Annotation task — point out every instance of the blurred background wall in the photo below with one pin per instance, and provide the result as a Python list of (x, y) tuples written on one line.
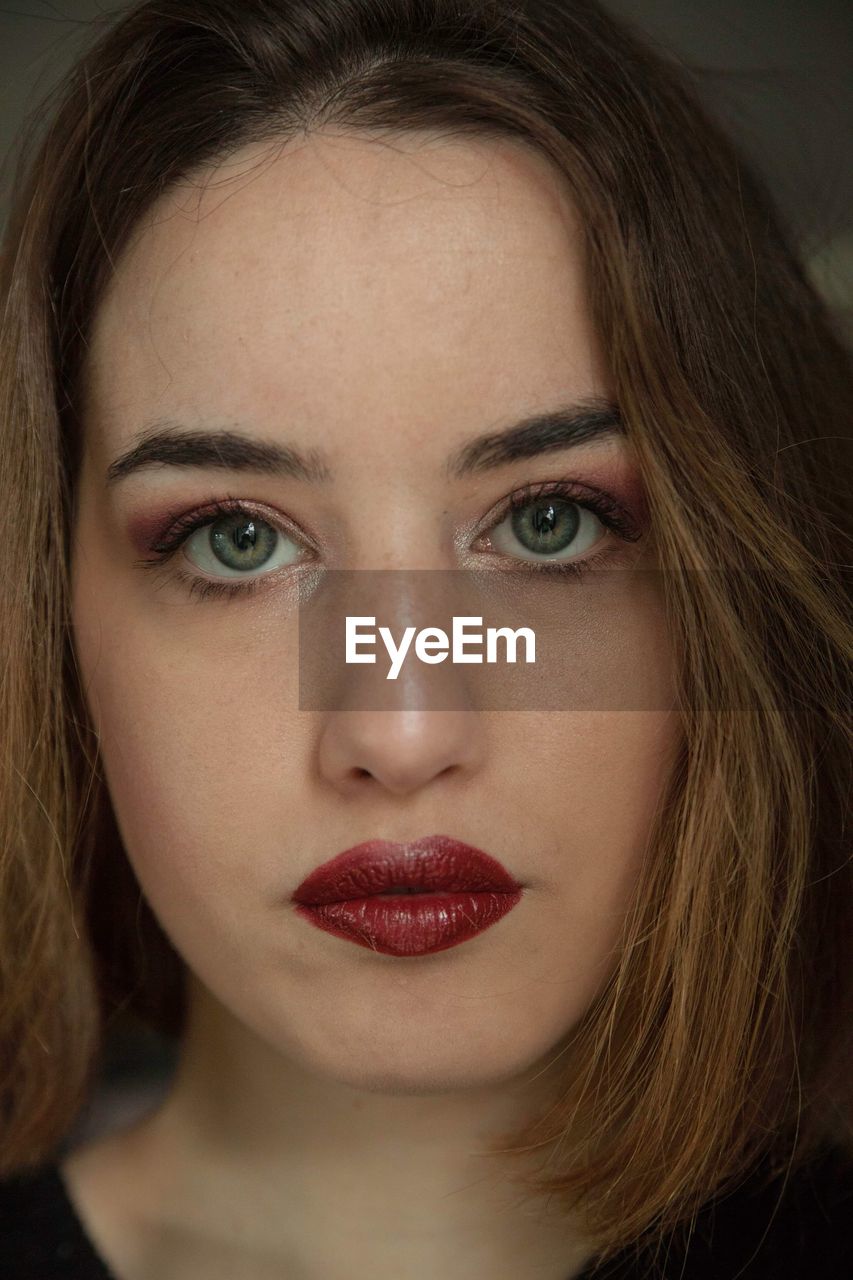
[(778, 73)]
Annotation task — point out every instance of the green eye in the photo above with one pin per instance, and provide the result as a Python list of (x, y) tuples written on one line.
[(546, 525), (242, 543)]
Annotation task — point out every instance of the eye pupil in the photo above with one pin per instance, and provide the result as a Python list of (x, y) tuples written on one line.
[(544, 519), (245, 536), (546, 524), (240, 543)]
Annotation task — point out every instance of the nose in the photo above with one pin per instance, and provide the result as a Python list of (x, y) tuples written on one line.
[(400, 750)]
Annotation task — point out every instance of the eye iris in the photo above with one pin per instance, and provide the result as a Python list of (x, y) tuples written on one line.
[(547, 524), (241, 536)]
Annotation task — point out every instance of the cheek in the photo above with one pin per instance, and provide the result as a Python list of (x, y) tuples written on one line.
[(595, 810), (197, 744)]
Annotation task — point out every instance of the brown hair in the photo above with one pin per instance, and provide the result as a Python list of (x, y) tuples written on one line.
[(724, 1033)]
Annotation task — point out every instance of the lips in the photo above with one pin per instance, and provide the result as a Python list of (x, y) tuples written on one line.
[(408, 899)]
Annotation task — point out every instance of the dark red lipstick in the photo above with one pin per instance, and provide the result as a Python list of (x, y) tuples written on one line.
[(408, 899)]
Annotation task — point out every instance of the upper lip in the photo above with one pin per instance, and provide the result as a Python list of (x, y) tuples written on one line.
[(433, 862)]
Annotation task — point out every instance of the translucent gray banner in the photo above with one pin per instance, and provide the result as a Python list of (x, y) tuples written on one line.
[(485, 639)]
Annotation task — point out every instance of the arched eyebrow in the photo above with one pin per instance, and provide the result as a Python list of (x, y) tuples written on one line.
[(560, 428), (169, 443)]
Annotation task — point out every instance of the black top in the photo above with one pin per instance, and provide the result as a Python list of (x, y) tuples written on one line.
[(737, 1237)]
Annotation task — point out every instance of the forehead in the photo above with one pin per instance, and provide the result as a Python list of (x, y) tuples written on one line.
[(342, 276)]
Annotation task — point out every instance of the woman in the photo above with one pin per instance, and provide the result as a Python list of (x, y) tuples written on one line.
[(306, 287)]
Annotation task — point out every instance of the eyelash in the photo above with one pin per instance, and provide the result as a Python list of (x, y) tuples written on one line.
[(608, 511)]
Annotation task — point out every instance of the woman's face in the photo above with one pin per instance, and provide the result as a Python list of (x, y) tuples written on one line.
[(375, 307)]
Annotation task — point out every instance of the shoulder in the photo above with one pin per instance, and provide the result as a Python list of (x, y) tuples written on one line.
[(786, 1227), (41, 1237), (794, 1227)]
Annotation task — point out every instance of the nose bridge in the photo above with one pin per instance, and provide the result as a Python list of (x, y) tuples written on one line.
[(364, 640), (402, 731)]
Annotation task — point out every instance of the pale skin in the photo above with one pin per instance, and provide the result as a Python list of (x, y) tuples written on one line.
[(384, 302)]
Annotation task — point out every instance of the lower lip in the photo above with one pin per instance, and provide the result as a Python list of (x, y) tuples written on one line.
[(411, 924)]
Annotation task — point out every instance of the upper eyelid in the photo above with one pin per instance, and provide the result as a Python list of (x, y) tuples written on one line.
[(531, 491), (185, 526)]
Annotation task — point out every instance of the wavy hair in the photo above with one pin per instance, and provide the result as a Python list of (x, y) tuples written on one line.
[(724, 1033)]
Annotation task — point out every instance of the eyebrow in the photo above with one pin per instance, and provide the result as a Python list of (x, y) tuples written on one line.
[(169, 443), (559, 428)]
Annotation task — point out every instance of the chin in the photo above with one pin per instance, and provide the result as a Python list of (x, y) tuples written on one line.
[(419, 1069)]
